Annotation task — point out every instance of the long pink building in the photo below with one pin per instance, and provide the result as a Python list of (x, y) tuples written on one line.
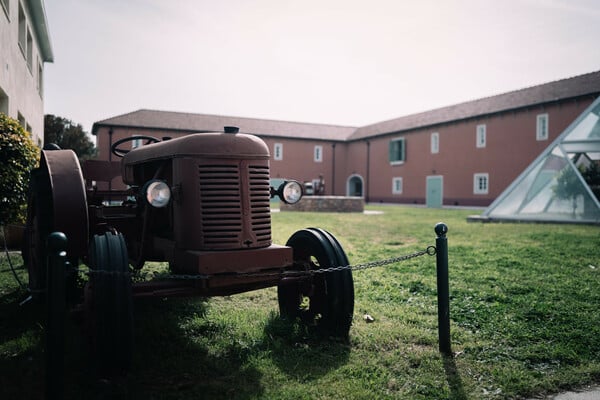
[(465, 154)]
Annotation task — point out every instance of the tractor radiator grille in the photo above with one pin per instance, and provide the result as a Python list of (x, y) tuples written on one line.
[(235, 210)]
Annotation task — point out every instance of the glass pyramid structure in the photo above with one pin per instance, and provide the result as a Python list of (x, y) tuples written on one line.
[(563, 183)]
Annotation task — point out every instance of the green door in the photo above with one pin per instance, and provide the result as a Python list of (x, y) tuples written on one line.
[(435, 191)]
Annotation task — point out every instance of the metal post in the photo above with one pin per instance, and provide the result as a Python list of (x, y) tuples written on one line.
[(55, 321), (441, 245)]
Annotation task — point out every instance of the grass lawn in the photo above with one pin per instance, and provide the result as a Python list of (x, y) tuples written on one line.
[(524, 321)]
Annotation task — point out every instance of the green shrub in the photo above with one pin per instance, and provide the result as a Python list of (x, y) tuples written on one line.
[(18, 156)]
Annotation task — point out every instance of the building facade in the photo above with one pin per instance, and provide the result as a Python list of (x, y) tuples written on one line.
[(465, 154), (24, 49)]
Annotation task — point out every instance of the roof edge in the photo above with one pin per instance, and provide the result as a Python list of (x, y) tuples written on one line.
[(38, 15)]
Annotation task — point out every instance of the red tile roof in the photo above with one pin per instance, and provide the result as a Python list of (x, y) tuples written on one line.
[(582, 85), (187, 122)]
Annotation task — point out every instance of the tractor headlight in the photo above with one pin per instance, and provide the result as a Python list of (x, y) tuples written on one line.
[(290, 192), (157, 193)]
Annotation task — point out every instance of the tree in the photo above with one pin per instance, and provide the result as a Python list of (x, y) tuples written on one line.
[(591, 174), (68, 135), (18, 156)]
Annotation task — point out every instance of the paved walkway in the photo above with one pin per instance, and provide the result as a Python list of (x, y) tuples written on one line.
[(592, 393)]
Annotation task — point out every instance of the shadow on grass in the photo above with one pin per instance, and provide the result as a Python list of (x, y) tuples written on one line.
[(168, 362), (21, 347), (178, 354), (171, 362), (455, 384), (303, 352)]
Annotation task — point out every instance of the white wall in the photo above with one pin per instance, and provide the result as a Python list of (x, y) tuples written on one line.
[(17, 80)]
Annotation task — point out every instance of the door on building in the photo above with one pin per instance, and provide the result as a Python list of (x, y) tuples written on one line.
[(435, 191), (354, 186)]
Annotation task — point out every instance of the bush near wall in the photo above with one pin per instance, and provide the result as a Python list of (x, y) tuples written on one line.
[(18, 156)]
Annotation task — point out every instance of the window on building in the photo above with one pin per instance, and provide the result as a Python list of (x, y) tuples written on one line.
[(40, 79), (21, 120), (6, 6), (397, 185), (397, 151), (481, 183), (435, 143), (481, 135), (29, 51), (278, 151), (3, 102), (22, 31), (318, 153), (541, 131)]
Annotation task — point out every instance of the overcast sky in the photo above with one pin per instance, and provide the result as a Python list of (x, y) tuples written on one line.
[(340, 62)]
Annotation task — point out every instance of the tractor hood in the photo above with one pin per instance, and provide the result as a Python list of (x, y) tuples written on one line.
[(200, 145)]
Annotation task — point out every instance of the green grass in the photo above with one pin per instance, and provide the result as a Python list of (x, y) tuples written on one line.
[(524, 321)]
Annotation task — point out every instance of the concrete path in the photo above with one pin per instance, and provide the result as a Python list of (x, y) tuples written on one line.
[(592, 393)]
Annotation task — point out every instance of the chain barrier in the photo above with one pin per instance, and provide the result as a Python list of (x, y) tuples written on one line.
[(139, 276)]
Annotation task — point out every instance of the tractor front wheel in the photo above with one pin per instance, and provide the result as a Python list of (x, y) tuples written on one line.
[(325, 299), (109, 304)]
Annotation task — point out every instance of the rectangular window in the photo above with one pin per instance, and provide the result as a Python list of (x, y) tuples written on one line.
[(278, 151), (40, 79), (541, 130), (21, 119), (397, 151), (5, 6), (397, 185), (480, 136), (22, 31), (481, 183), (435, 143), (3, 102), (29, 51), (318, 153)]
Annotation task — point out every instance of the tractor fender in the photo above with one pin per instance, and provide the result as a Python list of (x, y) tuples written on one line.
[(69, 202)]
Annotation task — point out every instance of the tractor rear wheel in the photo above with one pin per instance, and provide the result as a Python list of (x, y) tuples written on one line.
[(325, 300), (109, 304), (39, 225)]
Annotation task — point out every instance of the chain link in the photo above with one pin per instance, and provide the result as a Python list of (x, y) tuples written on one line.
[(138, 276)]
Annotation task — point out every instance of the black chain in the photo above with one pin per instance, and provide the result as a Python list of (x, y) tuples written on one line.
[(431, 250)]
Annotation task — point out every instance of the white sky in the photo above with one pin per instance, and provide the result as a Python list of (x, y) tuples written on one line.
[(341, 62)]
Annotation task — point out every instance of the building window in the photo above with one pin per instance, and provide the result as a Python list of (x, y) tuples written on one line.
[(435, 143), (397, 185), (318, 153), (29, 51), (278, 151), (481, 135), (40, 79), (5, 6), (22, 31), (21, 119), (397, 151), (541, 130), (481, 183), (3, 102)]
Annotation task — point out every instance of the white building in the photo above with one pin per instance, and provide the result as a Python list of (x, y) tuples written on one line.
[(24, 48)]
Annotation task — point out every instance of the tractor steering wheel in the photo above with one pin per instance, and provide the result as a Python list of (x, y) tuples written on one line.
[(120, 152)]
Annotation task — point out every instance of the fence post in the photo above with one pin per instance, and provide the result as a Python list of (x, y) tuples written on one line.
[(441, 245), (55, 318)]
